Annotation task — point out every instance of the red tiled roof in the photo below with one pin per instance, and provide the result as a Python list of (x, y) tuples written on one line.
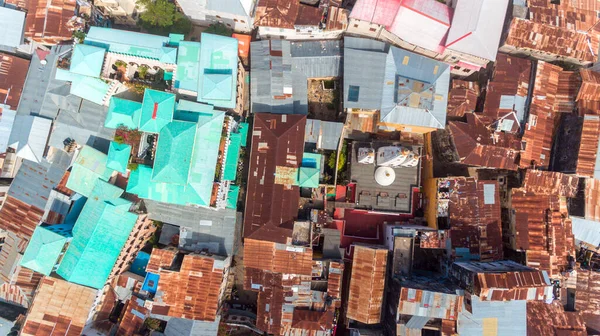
[(131, 323), (367, 284), (462, 98), (477, 145), (277, 147), (13, 71), (525, 34), (552, 319), (547, 182), (474, 211)]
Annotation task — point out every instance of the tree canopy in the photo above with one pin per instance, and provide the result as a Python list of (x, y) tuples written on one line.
[(162, 17)]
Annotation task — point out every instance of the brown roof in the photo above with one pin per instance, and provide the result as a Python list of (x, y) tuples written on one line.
[(588, 146), (13, 71), (525, 34), (311, 320), (275, 13), (513, 286), (131, 323), (337, 18), (551, 319), (270, 303), (477, 145), (588, 296), (19, 217), (334, 282), (160, 258), (367, 284), (462, 98), (59, 308), (510, 77), (22, 285), (61, 187), (554, 92), (592, 199), (288, 14), (277, 146), (47, 21), (574, 15), (542, 229), (547, 182), (193, 292), (277, 258), (474, 211)]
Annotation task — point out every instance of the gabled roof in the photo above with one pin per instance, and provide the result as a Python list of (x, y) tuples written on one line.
[(86, 87), (43, 250), (123, 112), (174, 152), (132, 43), (217, 81), (13, 72), (236, 7), (367, 284), (89, 167), (87, 60), (118, 156), (188, 66), (275, 13), (13, 24), (157, 110), (476, 27), (29, 136)]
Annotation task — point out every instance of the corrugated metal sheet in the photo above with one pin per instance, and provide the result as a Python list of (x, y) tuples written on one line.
[(476, 145), (592, 199), (525, 34), (588, 147), (553, 183), (369, 79), (493, 318), (159, 259), (462, 98), (48, 20), (325, 134), (277, 258), (588, 295), (551, 319), (277, 141), (578, 15), (13, 71), (431, 304), (367, 284)]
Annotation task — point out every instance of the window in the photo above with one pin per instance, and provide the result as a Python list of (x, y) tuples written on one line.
[(242, 21), (355, 26), (235, 20), (466, 70), (456, 67), (353, 92), (372, 29)]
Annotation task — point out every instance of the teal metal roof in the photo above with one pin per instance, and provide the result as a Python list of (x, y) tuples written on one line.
[(89, 167), (176, 39), (232, 197), (118, 156), (310, 171), (174, 152), (233, 156), (87, 60), (141, 184), (188, 66), (157, 110), (98, 237), (123, 112), (217, 80), (191, 111), (43, 250), (243, 129), (88, 88), (132, 43)]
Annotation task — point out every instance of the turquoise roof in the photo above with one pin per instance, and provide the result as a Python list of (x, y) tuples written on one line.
[(217, 79), (191, 111), (89, 167), (173, 152), (88, 88), (243, 129), (233, 156), (157, 110), (176, 39), (43, 250), (118, 156), (140, 183), (87, 60), (99, 234), (232, 197), (188, 66), (123, 112), (132, 43), (310, 171)]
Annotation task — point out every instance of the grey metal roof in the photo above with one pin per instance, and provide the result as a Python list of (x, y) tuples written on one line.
[(586, 230), (12, 24), (29, 135), (365, 44), (185, 327), (364, 69), (34, 181), (278, 76), (203, 226), (6, 124), (511, 317), (228, 6), (326, 134)]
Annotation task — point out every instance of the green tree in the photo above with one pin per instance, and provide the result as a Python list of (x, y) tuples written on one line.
[(162, 17), (79, 36), (219, 29)]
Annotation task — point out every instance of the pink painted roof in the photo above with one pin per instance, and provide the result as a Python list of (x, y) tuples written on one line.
[(431, 8), (381, 12)]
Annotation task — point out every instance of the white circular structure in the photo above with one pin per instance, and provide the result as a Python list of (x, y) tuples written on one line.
[(385, 176)]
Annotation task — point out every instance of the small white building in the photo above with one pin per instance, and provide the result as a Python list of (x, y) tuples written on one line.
[(235, 14)]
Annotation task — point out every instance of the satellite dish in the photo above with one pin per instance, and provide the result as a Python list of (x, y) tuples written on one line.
[(43, 62), (385, 176)]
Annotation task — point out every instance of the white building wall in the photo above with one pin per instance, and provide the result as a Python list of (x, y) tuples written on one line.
[(200, 15), (298, 34)]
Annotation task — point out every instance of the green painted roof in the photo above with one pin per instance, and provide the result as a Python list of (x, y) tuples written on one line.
[(174, 152), (157, 110), (89, 166), (232, 197), (87, 60), (123, 112), (217, 80), (99, 234), (233, 156), (188, 66), (176, 39), (140, 183), (118, 156), (191, 111), (43, 250), (243, 129), (88, 88)]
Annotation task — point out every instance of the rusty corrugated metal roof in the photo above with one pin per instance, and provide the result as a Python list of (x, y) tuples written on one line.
[(160, 258), (289, 14), (510, 77), (579, 15), (367, 284), (588, 295), (477, 145), (474, 211), (551, 319), (277, 258), (588, 146), (429, 303), (59, 308), (462, 98), (19, 217), (525, 34), (592, 199), (131, 322), (47, 21), (547, 182), (13, 71), (277, 141)]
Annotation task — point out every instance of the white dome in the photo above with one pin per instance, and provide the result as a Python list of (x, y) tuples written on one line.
[(385, 176)]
